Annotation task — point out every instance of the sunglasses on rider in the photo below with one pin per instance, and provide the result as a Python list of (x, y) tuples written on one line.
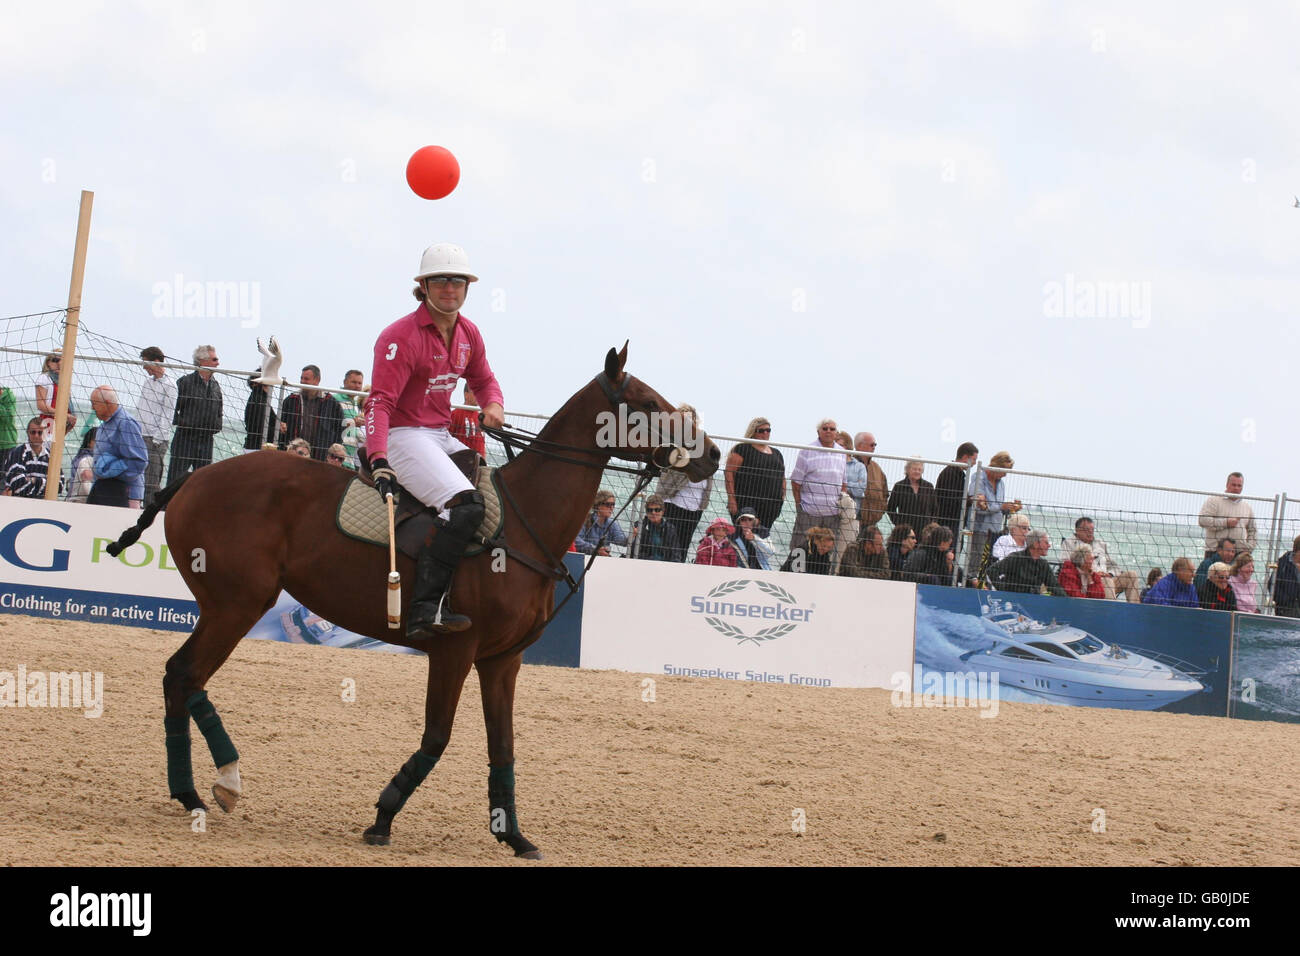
[(456, 282)]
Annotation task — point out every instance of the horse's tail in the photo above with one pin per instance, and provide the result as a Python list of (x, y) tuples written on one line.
[(131, 535)]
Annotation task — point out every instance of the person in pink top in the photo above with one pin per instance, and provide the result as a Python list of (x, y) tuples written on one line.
[(418, 361), (715, 547)]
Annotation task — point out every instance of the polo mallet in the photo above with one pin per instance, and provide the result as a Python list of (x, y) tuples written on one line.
[(394, 579)]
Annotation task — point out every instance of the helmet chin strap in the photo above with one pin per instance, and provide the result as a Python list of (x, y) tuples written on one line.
[(428, 300)]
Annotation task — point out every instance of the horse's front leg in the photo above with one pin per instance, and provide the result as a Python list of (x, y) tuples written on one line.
[(449, 665), (497, 680)]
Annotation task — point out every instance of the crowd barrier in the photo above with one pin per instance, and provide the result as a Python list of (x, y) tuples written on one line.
[(927, 644)]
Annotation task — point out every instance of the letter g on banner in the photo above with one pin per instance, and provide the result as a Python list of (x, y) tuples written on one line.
[(9, 546)]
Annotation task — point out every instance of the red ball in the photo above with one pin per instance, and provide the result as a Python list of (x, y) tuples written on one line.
[(432, 172)]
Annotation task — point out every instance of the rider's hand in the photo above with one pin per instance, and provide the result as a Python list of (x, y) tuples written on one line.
[(382, 473), (492, 415)]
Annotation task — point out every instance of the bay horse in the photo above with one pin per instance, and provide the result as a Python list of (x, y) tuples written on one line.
[(246, 528)]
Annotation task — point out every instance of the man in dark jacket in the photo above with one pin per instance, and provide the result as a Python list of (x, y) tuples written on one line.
[(198, 415), (950, 489), (929, 563), (314, 415), (1286, 582), (1026, 571), (657, 538)]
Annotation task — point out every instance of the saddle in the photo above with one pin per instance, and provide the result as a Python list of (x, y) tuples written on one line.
[(363, 515)]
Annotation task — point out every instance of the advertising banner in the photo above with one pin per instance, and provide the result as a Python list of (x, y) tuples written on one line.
[(1076, 651), (53, 563), (1266, 668), (657, 617)]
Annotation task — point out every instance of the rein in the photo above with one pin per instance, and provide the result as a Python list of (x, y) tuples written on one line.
[(529, 441)]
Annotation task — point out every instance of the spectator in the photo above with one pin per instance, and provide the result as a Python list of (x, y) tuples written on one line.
[(155, 411), (1175, 589), (931, 563), (950, 488), (1226, 515), (1286, 582), (876, 495), (684, 500), (1014, 539), (28, 465), (1154, 575), (312, 414), (816, 482), (657, 541), (464, 425), (902, 541), (259, 417), (352, 411), (600, 528), (752, 549), (299, 447), (1027, 571), (855, 472), (755, 475), (716, 547), (8, 427), (846, 529), (866, 558), (121, 455), (198, 415), (83, 468), (1242, 579), (817, 559), (987, 513), (1216, 593), (1227, 553), (912, 499), (47, 391), (338, 455), (1113, 579), (1078, 577)]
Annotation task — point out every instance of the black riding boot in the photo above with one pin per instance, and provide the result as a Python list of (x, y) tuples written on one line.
[(430, 611)]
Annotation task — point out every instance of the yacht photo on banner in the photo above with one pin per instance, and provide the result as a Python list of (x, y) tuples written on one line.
[(1078, 652)]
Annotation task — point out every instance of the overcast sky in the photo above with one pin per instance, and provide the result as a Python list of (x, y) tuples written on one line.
[(894, 216)]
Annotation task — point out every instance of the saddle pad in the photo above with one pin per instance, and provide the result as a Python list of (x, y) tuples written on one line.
[(364, 516)]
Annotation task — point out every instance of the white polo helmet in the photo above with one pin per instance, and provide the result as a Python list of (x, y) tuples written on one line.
[(445, 259)]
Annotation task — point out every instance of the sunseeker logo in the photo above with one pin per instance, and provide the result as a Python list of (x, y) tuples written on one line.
[(786, 613)]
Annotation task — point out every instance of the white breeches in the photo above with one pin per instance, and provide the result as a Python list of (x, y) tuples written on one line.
[(419, 459)]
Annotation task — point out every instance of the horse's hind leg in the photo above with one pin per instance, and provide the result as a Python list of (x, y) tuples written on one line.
[(449, 665), (188, 671), (497, 681)]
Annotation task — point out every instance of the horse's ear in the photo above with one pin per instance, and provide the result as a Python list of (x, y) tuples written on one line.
[(614, 362)]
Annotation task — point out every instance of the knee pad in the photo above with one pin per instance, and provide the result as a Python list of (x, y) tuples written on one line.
[(466, 512)]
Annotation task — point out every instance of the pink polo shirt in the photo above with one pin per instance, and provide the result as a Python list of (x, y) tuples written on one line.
[(415, 373)]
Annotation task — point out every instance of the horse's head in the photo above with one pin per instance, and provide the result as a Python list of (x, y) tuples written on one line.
[(641, 424)]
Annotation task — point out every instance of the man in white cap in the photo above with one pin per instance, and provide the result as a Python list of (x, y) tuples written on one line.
[(418, 361)]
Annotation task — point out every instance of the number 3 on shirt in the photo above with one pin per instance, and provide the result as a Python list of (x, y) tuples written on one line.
[(392, 351)]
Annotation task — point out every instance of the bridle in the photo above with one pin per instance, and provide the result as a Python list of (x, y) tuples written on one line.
[(523, 440)]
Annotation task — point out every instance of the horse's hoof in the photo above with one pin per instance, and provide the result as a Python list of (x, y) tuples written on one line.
[(377, 837), (190, 801), (530, 855), (225, 797)]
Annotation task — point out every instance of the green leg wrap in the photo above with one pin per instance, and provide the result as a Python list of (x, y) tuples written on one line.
[(501, 801), (205, 716), (180, 773), (405, 781)]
